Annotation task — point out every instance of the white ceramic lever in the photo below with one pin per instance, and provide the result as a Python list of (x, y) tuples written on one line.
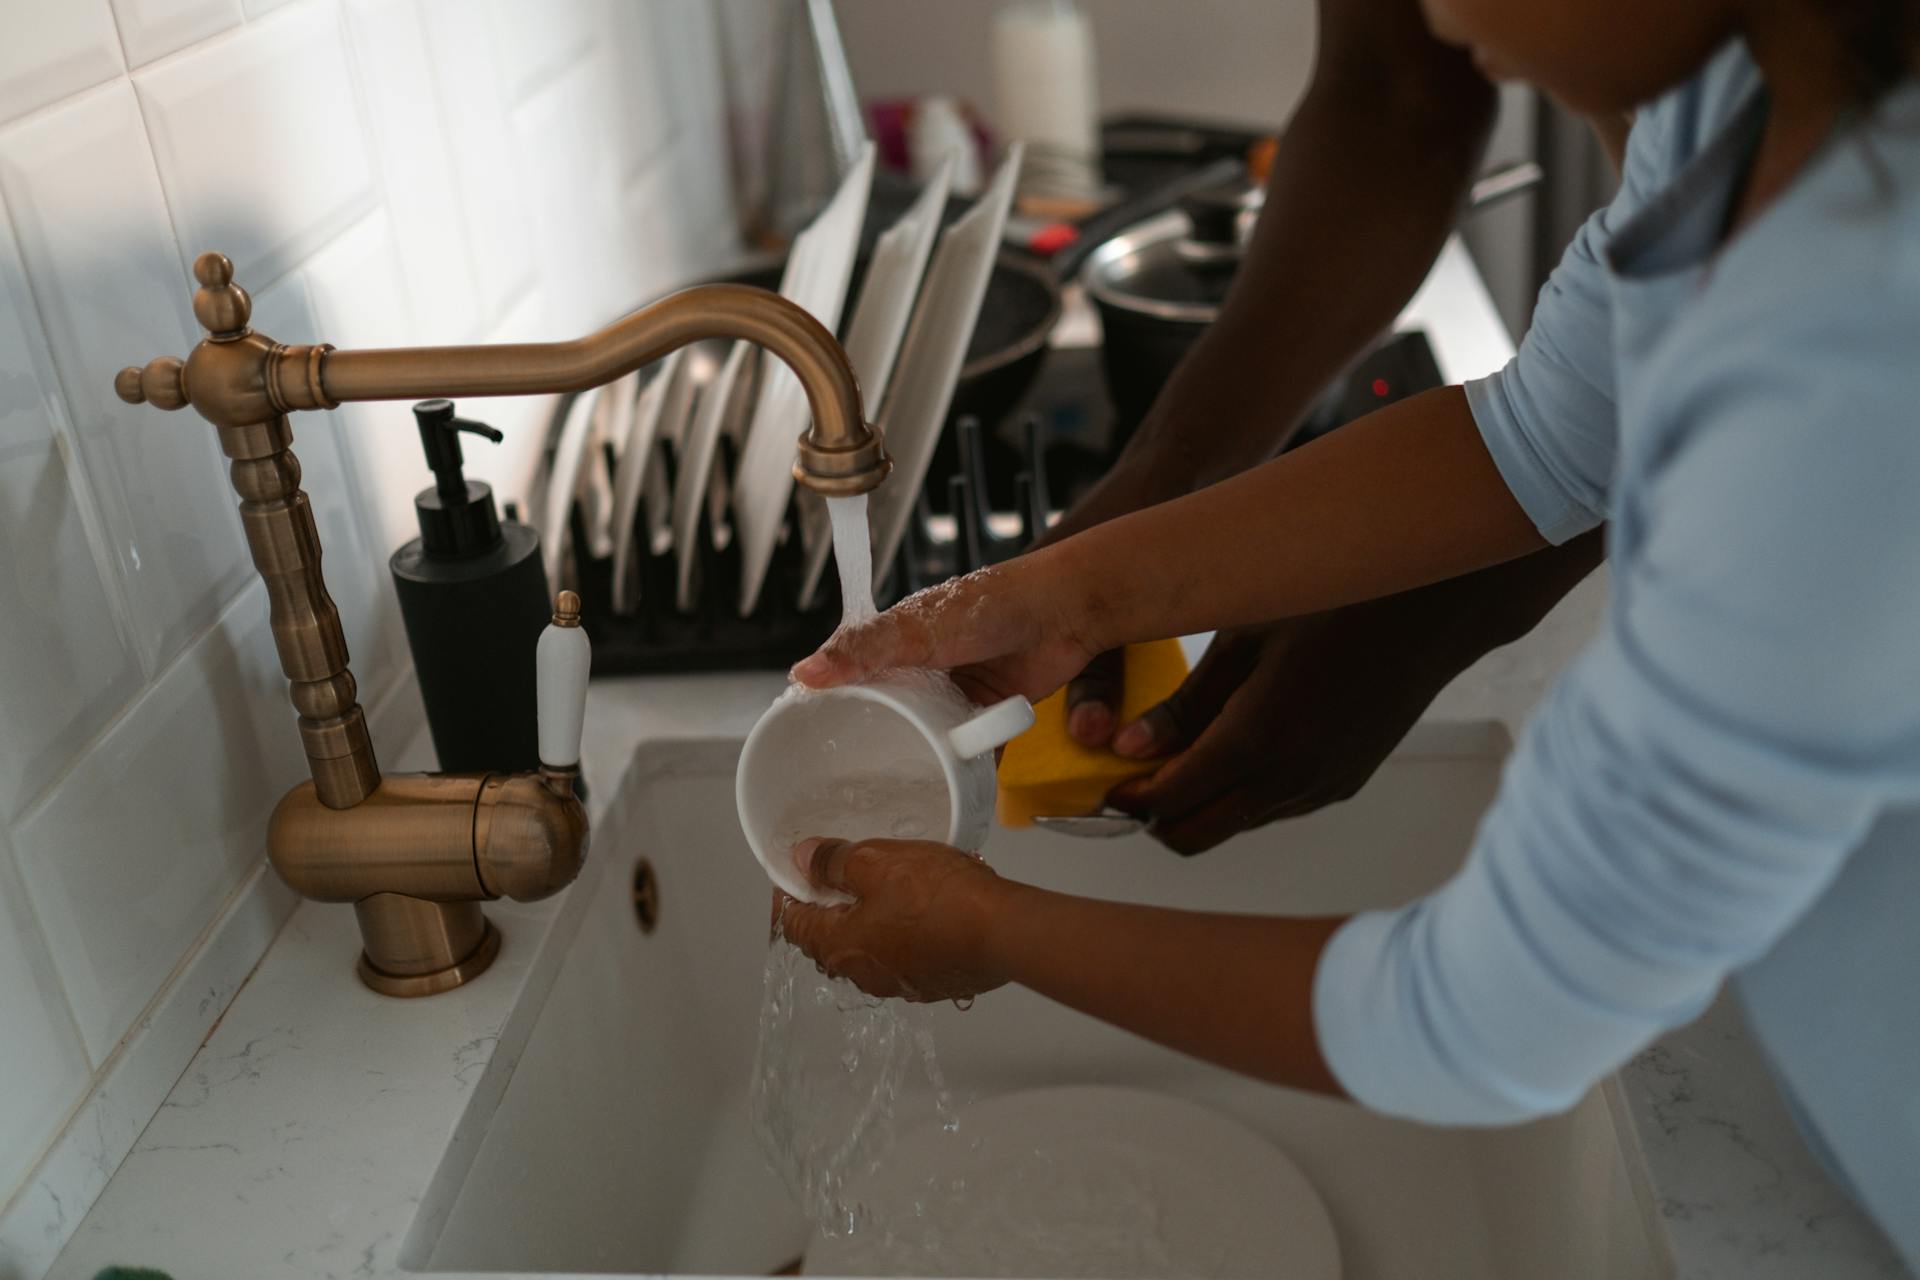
[(998, 725), (562, 660)]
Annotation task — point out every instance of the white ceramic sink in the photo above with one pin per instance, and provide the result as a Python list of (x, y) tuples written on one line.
[(622, 1143)]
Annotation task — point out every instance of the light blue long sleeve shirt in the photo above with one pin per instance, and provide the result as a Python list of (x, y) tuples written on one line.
[(1727, 782)]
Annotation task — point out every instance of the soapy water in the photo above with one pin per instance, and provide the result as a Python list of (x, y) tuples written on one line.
[(897, 805)]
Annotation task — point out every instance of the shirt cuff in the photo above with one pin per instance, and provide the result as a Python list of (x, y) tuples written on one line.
[(1385, 1046), (1556, 515)]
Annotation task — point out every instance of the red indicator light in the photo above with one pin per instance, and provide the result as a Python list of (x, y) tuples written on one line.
[(1380, 388)]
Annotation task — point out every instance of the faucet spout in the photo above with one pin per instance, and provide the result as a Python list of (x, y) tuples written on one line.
[(839, 453), (238, 377)]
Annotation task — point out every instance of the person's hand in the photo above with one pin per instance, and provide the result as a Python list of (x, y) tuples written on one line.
[(1278, 721), (916, 927), (1094, 698), (1275, 722), (1012, 628)]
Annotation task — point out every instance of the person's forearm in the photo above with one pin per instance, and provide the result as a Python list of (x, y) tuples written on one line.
[(1464, 618), (1366, 183), (1405, 497), (1234, 990)]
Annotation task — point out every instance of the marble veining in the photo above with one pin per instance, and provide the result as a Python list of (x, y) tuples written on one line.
[(43, 1215), (1739, 1194)]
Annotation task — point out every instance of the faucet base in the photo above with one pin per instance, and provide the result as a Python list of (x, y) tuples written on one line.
[(420, 948)]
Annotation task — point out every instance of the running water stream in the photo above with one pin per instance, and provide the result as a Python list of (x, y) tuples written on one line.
[(831, 1063), (853, 553), (840, 1078)]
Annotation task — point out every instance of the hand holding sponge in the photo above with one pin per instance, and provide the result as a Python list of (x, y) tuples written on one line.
[(1044, 771)]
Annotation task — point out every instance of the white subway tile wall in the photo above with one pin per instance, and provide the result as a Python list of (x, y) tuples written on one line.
[(68, 664), (416, 169), (226, 173), (54, 47), (46, 1064), (79, 182), (158, 821), (152, 29), (381, 172)]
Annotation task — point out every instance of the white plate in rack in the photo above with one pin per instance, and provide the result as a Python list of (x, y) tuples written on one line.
[(612, 415), (562, 481), (818, 270), (934, 351), (636, 445), (874, 335), (698, 445)]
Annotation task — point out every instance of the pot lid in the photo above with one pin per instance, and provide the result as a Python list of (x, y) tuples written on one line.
[(1177, 265)]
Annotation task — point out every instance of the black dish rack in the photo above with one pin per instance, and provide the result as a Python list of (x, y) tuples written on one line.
[(1054, 447), (660, 639)]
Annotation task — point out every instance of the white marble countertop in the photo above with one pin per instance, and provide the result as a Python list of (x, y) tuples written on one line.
[(304, 1138)]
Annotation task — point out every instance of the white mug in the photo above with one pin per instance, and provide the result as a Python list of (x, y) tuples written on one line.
[(901, 756)]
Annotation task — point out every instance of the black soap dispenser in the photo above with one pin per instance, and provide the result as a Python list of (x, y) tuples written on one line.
[(473, 594)]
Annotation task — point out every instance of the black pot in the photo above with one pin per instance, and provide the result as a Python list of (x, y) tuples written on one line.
[(1160, 282), (1157, 286)]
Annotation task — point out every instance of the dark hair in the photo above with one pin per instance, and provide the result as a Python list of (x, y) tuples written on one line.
[(1882, 39)]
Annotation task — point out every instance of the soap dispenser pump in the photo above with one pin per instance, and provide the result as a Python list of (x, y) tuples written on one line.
[(474, 598)]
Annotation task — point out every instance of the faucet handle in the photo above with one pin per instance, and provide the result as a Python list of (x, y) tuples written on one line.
[(221, 306), (562, 661), (162, 383)]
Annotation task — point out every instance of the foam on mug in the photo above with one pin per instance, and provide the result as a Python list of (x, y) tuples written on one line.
[(908, 799)]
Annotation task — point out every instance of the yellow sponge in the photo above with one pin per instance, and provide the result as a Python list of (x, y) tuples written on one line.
[(1044, 771)]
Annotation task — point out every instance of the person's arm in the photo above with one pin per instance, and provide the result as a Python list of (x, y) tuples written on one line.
[(1367, 180), (928, 923), (1437, 486), (1277, 721), (1683, 797), (1405, 497), (1339, 248), (1702, 775)]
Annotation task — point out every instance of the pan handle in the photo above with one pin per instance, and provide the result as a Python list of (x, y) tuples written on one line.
[(1504, 184), (1496, 187), (1112, 220)]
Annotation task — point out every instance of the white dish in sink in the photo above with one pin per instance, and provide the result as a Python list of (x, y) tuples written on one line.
[(623, 1142), (1089, 1181)]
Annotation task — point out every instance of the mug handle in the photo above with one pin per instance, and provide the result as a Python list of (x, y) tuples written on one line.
[(997, 725)]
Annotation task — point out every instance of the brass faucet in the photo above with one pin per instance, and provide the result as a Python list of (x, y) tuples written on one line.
[(418, 853)]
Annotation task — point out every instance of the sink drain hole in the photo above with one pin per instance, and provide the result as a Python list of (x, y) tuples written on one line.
[(646, 896)]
